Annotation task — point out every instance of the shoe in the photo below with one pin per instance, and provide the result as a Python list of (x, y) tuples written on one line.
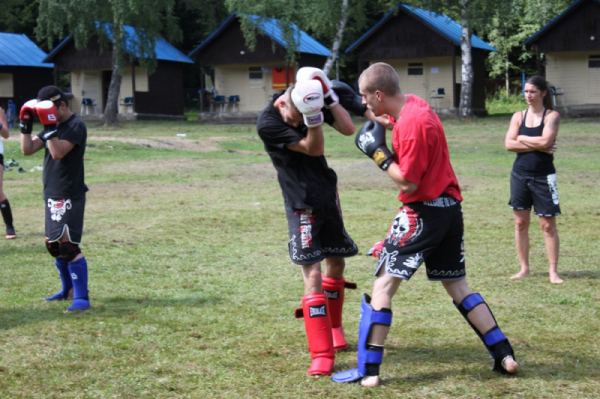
[(7, 169), (10, 233), (21, 170), (12, 162)]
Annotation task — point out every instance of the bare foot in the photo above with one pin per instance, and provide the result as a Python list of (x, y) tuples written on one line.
[(510, 365), (521, 274), (554, 279), (370, 381)]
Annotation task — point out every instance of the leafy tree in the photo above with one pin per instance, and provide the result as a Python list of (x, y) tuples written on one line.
[(103, 20), (19, 16)]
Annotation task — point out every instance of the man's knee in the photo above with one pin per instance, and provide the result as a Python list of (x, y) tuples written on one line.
[(457, 289), (68, 251), (53, 248)]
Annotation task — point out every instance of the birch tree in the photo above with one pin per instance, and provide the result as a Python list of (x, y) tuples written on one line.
[(103, 20)]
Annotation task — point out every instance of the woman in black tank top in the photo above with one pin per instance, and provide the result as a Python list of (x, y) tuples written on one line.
[(532, 134)]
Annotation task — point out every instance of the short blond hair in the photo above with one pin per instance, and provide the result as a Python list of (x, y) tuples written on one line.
[(381, 76), (288, 98)]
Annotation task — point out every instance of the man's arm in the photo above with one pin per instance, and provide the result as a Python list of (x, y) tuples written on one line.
[(313, 144), (3, 125), (59, 148), (343, 122), (30, 145), (546, 140), (395, 173)]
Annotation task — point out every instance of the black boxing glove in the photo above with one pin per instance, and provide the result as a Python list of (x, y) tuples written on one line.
[(348, 98), (371, 140)]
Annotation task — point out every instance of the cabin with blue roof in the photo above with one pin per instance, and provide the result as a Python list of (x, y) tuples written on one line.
[(571, 45), (142, 95), (22, 70), (424, 49), (253, 76)]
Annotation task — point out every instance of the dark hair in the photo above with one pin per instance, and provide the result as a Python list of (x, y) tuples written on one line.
[(540, 82)]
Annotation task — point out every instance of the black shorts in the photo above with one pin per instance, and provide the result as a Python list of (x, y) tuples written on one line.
[(316, 234), (64, 216), (1, 159), (429, 232), (539, 191)]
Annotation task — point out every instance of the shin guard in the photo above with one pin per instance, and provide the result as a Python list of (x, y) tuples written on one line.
[(494, 340), (333, 288), (365, 353), (8, 218), (318, 333), (79, 276), (65, 277)]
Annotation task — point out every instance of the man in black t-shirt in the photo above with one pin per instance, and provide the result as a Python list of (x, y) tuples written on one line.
[(290, 128), (64, 139)]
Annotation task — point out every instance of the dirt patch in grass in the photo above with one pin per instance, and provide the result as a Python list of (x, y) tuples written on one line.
[(170, 143)]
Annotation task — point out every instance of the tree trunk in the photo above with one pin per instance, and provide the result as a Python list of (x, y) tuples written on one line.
[(507, 80), (337, 41), (112, 99), (466, 90)]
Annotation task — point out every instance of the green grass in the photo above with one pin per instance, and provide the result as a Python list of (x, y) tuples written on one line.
[(193, 292)]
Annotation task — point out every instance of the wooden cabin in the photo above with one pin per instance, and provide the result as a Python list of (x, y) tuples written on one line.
[(142, 95), (571, 44), (253, 76), (424, 49), (22, 71)]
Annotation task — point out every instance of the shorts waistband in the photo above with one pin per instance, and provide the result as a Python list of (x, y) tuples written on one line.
[(443, 201)]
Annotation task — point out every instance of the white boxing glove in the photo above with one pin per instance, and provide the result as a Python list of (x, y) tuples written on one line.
[(310, 73), (308, 98)]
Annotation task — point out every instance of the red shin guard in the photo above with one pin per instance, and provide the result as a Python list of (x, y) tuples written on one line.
[(333, 288), (318, 333)]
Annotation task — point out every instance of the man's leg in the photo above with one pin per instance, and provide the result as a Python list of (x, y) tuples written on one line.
[(78, 270), (522, 221), (63, 271), (334, 286), (375, 321), (548, 225), (482, 321), (6, 214), (316, 321)]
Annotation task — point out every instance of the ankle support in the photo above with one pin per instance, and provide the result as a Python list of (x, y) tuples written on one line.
[(334, 288), (494, 340)]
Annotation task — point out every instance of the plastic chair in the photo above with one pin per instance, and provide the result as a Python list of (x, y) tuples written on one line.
[(86, 104), (557, 91), (127, 102), (221, 101), (437, 95), (233, 100)]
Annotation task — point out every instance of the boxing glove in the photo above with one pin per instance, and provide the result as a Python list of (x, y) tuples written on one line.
[(26, 116), (46, 111), (309, 73), (348, 98), (371, 140), (308, 98)]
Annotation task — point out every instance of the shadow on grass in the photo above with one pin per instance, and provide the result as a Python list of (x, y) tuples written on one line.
[(589, 274), (586, 367), (101, 308)]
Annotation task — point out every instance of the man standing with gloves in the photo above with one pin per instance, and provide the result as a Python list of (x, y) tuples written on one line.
[(64, 139)]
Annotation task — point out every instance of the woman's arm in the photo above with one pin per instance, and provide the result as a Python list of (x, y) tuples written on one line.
[(546, 140)]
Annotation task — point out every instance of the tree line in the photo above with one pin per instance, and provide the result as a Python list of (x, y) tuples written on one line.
[(335, 23)]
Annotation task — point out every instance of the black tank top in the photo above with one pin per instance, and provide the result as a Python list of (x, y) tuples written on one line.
[(534, 162)]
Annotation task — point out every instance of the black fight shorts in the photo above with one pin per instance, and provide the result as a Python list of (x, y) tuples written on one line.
[(539, 191), (430, 232), (316, 234), (64, 216), (1, 159)]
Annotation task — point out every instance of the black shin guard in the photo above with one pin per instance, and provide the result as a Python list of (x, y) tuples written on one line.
[(6, 213), (494, 340)]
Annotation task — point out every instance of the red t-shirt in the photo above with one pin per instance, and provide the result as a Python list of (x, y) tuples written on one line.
[(422, 152)]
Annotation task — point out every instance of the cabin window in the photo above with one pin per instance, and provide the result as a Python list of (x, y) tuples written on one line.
[(6, 85), (594, 61), (415, 68), (256, 73)]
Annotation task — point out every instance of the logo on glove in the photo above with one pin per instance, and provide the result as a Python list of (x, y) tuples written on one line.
[(364, 140)]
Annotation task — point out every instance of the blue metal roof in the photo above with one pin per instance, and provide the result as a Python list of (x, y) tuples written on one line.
[(18, 50), (304, 42), (441, 23), (163, 49), (552, 23)]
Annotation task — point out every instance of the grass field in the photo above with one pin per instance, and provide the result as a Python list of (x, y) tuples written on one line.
[(193, 292)]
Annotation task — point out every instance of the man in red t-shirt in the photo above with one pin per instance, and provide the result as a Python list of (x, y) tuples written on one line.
[(427, 229)]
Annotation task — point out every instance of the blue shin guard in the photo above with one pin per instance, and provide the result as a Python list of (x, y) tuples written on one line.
[(63, 270), (368, 318), (494, 340), (79, 275)]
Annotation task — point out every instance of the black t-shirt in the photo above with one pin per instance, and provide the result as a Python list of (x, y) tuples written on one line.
[(534, 162), (306, 182), (64, 178)]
